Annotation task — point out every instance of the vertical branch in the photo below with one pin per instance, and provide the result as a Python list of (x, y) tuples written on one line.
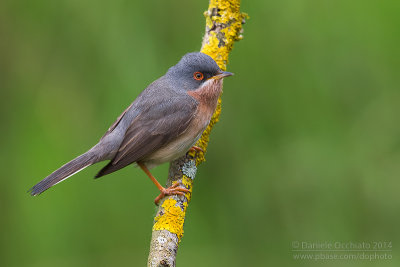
[(223, 27)]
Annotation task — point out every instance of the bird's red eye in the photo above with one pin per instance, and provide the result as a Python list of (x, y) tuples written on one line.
[(198, 76)]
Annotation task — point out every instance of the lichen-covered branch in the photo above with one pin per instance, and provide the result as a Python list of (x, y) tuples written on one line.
[(223, 27)]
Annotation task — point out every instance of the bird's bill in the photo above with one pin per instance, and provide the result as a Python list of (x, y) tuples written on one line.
[(221, 75)]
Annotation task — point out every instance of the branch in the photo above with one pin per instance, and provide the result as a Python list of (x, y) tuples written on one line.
[(223, 27)]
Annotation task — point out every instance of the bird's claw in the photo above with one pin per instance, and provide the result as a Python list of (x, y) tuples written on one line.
[(196, 149), (172, 190)]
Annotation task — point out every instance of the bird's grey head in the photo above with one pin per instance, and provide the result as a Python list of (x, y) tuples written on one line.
[(194, 69)]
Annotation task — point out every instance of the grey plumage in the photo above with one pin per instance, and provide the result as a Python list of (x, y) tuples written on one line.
[(159, 116), (148, 131)]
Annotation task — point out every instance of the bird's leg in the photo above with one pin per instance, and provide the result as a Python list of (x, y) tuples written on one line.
[(172, 190), (196, 148)]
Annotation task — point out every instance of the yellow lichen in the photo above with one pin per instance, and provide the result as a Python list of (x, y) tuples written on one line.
[(171, 219), (227, 15), (188, 183)]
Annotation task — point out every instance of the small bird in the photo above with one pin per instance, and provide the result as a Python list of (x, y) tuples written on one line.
[(162, 124)]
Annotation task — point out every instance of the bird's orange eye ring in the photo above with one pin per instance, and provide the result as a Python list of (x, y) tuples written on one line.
[(198, 76)]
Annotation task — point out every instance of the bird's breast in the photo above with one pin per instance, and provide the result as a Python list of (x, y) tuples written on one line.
[(207, 97)]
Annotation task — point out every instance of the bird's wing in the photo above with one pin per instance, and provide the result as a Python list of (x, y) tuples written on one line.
[(156, 125), (115, 124)]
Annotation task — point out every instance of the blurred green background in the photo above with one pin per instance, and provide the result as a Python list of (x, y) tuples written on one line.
[(307, 149)]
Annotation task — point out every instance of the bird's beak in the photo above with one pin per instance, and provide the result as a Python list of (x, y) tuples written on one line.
[(221, 74)]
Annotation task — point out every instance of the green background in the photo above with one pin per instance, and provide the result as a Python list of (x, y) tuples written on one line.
[(307, 149)]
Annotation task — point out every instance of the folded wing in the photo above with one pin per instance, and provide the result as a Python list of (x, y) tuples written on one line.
[(156, 125)]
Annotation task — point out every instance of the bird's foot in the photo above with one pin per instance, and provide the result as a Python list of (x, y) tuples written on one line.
[(172, 190), (196, 149)]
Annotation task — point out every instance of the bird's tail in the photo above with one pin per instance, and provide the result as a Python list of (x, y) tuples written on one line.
[(65, 172)]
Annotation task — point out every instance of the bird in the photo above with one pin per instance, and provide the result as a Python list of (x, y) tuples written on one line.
[(162, 124)]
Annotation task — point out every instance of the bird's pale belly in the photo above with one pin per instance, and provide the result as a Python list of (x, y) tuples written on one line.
[(177, 147)]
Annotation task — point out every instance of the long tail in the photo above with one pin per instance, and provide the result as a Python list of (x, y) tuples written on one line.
[(65, 172)]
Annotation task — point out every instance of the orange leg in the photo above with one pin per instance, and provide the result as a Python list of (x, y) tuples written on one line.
[(172, 190), (196, 148)]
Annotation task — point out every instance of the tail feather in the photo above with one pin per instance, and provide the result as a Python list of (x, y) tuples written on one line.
[(64, 172), (109, 168)]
